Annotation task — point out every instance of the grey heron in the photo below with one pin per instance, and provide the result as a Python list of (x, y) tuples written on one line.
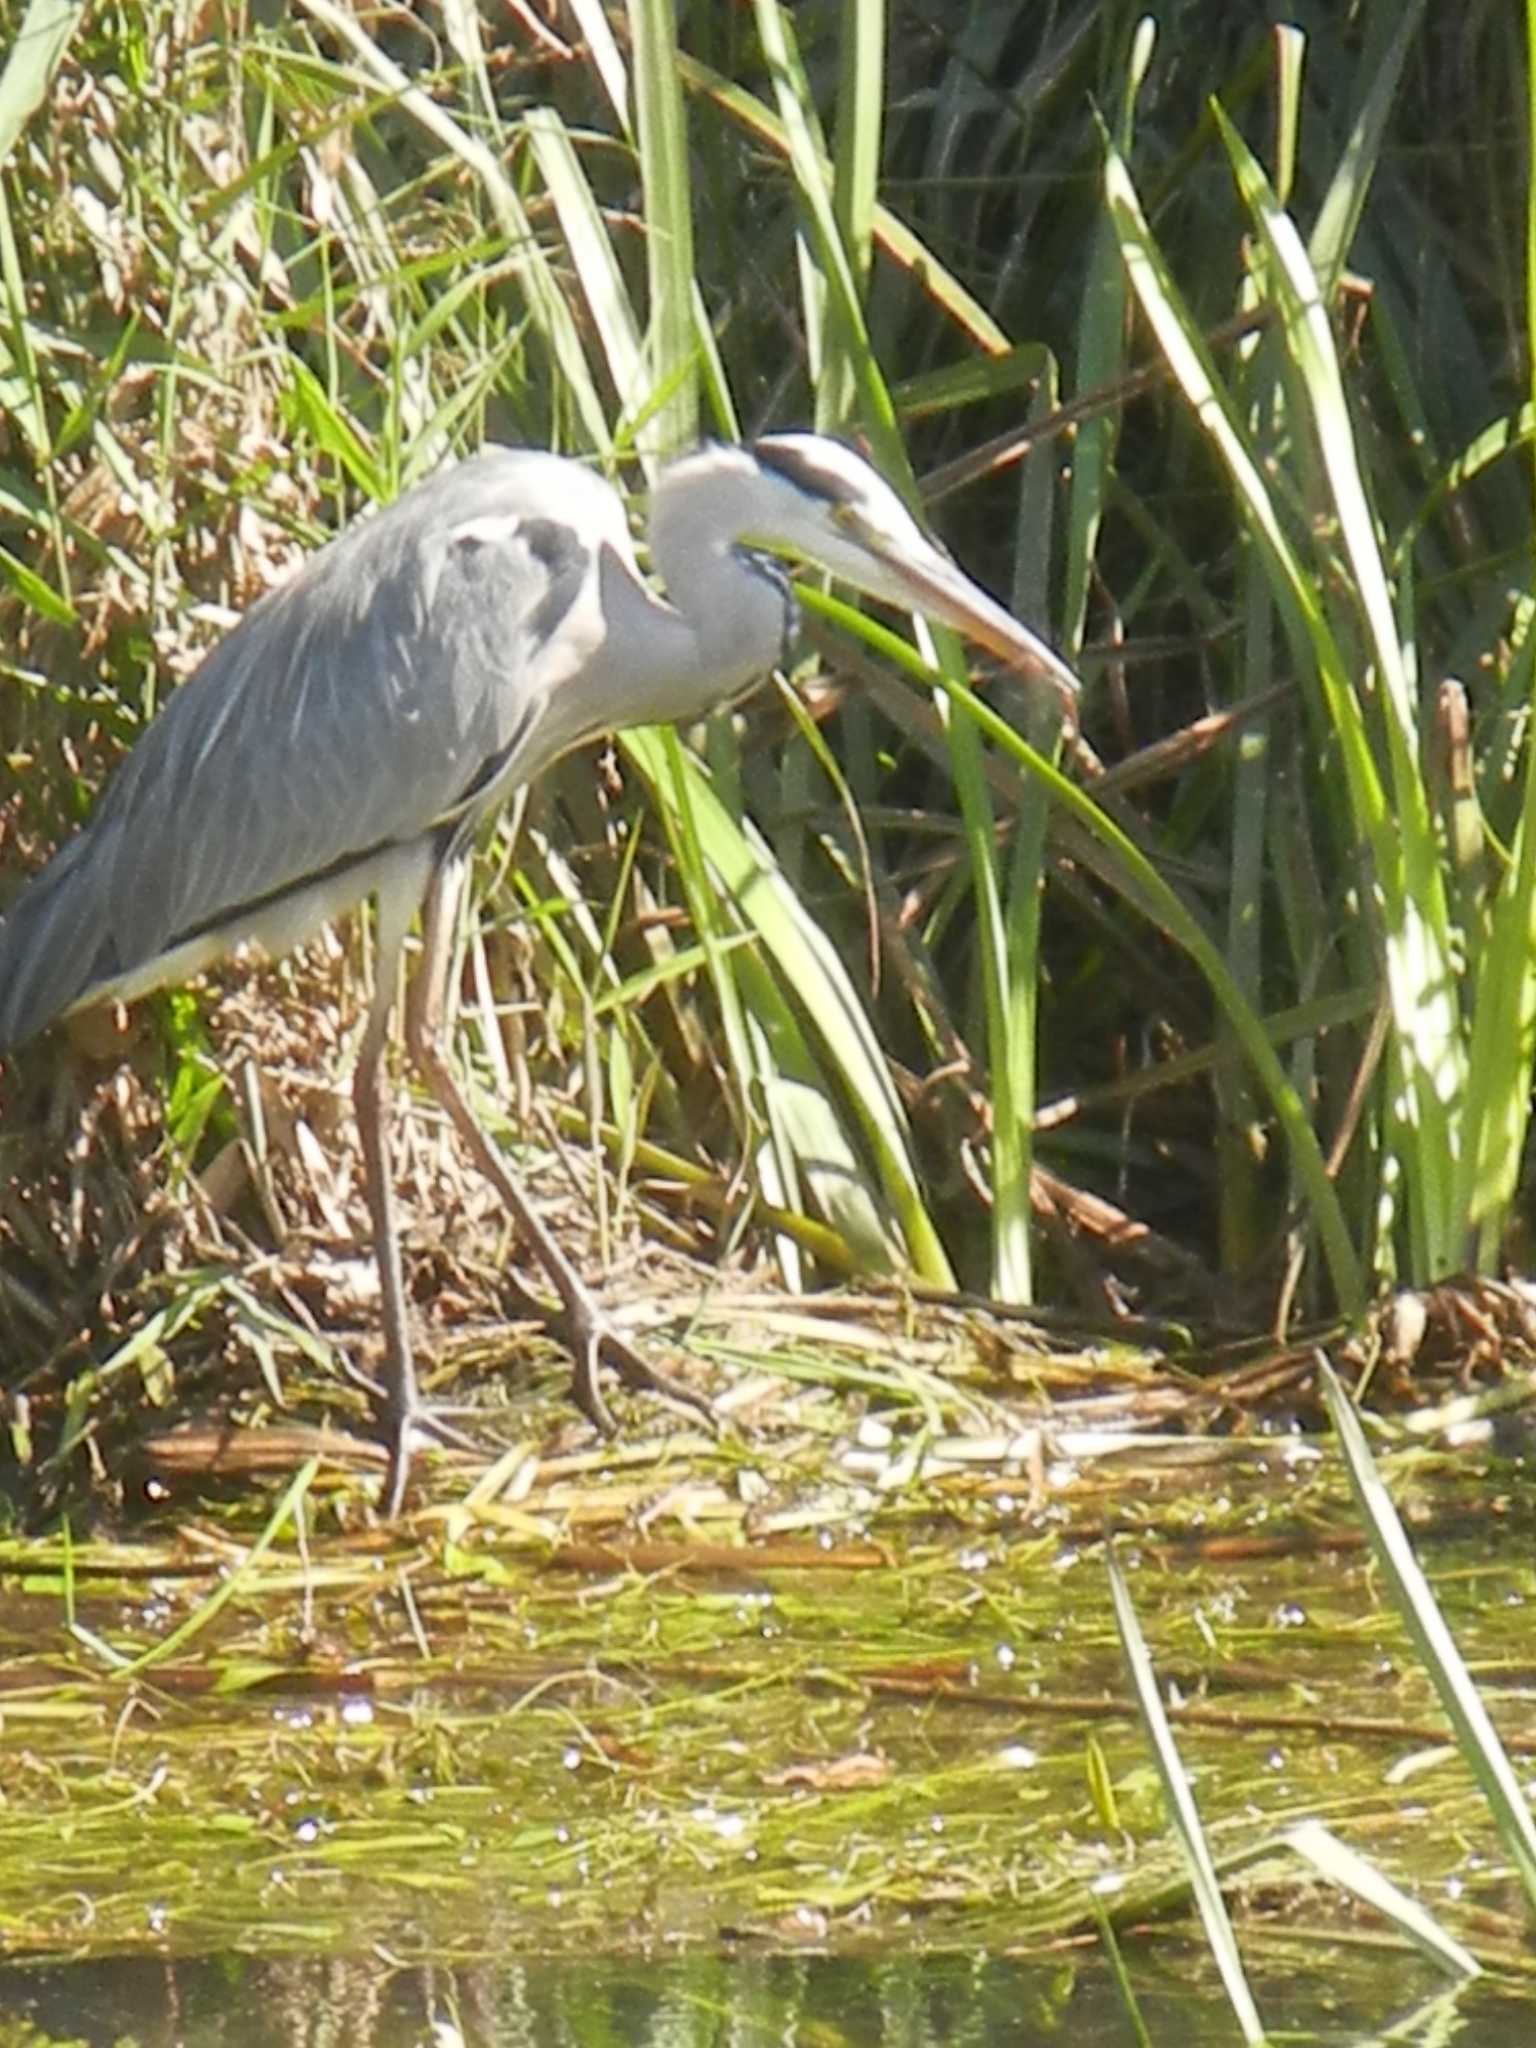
[(347, 737)]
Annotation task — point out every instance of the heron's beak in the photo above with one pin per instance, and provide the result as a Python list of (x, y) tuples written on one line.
[(930, 583)]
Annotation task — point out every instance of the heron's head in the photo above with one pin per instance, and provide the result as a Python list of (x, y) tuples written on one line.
[(815, 500)]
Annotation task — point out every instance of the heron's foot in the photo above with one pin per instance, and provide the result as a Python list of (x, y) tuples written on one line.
[(593, 1339), (402, 1428)]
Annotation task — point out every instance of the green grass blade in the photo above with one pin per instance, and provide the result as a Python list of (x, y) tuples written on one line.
[(1158, 901), (288, 1506), (1340, 1865), (1411, 897), (1421, 971), (1503, 1044), (37, 52), (1005, 932), (591, 250), (1014, 1028), (310, 406), (1504, 1012), (1100, 359), (1182, 1811), (855, 172), (1415, 1602), (461, 25), (1290, 50), (898, 241), (546, 304), (1338, 218), (1506, 436), (601, 47), (860, 120), (38, 595), (1003, 966), (1120, 1977), (22, 389), (846, 333), (970, 381), (808, 963), (663, 143)]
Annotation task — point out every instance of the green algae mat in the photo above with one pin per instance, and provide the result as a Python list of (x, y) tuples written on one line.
[(843, 1685)]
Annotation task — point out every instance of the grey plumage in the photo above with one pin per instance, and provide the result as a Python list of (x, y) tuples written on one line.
[(377, 696), (350, 732)]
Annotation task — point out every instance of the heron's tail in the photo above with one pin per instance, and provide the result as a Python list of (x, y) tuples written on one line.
[(51, 943)]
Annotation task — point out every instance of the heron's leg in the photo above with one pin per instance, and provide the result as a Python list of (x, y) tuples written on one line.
[(589, 1332), (397, 900)]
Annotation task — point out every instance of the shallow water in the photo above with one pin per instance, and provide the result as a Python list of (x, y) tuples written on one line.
[(881, 1786), (789, 2001)]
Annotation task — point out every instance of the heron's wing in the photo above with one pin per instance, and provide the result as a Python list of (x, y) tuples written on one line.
[(399, 679)]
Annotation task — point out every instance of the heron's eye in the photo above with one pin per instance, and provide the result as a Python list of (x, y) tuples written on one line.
[(856, 525)]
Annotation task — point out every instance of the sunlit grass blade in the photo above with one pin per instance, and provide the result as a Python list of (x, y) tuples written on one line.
[(1337, 1862), (546, 304), (754, 1048), (592, 253), (289, 1505), (831, 293), (860, 122), (603, 54), (1410, 890), (40, 42), (312, 409), (808, 963), (1014, 1018), (1005, 928), (704, 1184), (1504, 1013), (855, 173), (22, 389), (847, 334), (757, 1051), (1393, 26), (661, 132), (37, 595), (1420, 956), (1503, 1043), (1121, 1977), (1442, 1662), (1100, 359), (462, 26), (1505, 436), (1182, 1811), (971, 380)]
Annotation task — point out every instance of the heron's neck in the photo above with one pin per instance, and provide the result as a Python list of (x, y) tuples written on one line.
[(732, 613)]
